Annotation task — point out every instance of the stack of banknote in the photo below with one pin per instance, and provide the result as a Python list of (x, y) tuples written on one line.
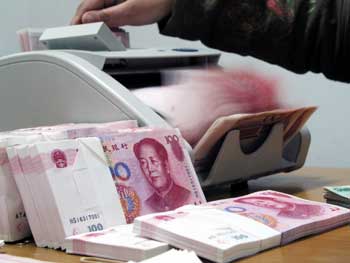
[(13, 213), (64, 182), (29, 39), (225, 230), (119, 243), (338, 195), (87, 177), (13, 219)]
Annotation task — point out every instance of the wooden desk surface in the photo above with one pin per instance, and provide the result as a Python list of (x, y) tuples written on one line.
[(332, 246)]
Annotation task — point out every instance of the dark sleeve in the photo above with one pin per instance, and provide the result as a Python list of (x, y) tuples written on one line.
[(300, 35)]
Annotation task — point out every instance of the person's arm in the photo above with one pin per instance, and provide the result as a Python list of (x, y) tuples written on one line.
[(300, 35)]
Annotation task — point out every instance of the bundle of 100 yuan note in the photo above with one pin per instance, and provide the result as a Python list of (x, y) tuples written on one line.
[(68, 187), (226, 230), (13, 217), (119, 243)]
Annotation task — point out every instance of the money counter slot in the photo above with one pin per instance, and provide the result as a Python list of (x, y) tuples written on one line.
[(233, 165), (141, 73)]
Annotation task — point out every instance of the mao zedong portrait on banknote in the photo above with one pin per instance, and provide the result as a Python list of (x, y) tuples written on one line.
[(285, 209), (154, 163)]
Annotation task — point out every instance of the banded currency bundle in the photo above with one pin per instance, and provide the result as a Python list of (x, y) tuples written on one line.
[(66, 188), (117, 242), (229, 229), (13, 214), (13, 219), (338, 195)]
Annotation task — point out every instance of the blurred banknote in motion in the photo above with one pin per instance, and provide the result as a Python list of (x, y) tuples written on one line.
[(206, 105), (201, 97)]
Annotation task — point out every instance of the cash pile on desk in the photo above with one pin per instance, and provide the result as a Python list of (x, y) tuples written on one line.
[(17, 174), (72, 182), (338, 195), (226, 230), (59, 182)]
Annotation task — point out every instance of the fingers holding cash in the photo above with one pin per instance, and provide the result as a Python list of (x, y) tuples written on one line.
[(120, 13)]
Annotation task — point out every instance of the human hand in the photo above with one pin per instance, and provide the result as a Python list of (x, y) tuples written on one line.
[(125, 12)]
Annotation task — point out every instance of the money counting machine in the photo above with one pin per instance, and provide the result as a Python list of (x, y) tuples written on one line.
[(63, 86)]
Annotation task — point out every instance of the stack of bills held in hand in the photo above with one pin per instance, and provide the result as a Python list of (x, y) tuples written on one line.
[(338, 195), (14, 187), (225, 230), (119, 243)]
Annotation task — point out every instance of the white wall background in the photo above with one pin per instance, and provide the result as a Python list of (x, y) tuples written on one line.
[(330, 126)]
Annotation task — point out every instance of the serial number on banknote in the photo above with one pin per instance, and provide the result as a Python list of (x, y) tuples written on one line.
[(115, 147), (79, 219)]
